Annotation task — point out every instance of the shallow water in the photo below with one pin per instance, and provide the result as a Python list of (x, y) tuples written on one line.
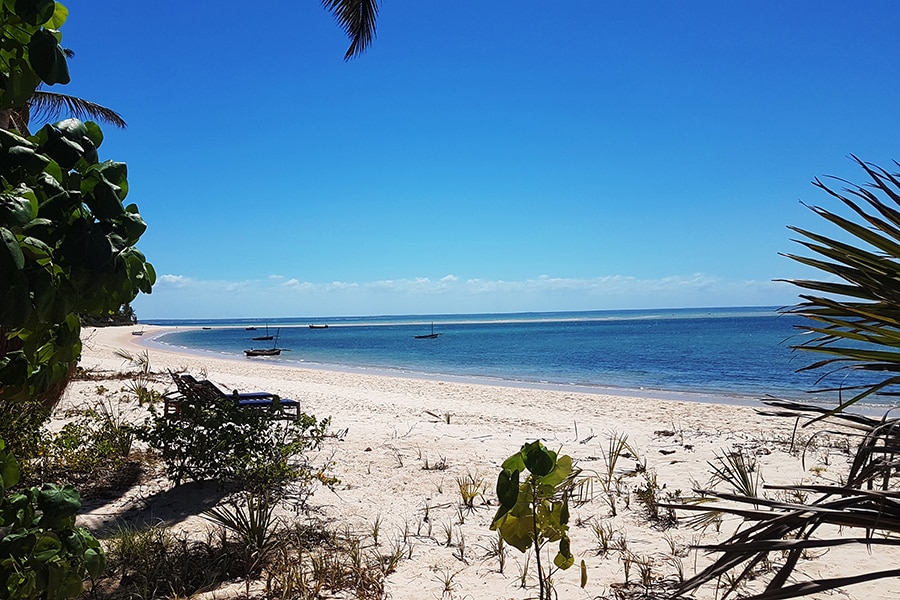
[(731, 351)]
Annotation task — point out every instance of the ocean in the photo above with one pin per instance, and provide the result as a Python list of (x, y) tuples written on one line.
[(730, 352)]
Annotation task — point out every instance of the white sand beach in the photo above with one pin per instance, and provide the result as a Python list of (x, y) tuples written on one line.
[(396, 427)]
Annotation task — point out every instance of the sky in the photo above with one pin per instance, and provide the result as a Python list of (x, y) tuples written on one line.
[(483, 156)]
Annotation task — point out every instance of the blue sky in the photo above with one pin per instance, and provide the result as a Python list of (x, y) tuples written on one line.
[(483, 156)]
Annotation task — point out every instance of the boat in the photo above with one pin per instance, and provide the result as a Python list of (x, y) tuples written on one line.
[(206, 328), (322, 326), (251, 328), (273, 351), (428, 336), (263, 352), (263, 337), (141, 332)]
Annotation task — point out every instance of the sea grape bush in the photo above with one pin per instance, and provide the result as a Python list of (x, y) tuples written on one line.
[(42, 553), (225, 442), (67, 240), (535, 511)]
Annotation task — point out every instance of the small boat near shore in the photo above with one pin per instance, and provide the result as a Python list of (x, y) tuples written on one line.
[(141, 332), (428, 336), (322, 326), (263, 352)]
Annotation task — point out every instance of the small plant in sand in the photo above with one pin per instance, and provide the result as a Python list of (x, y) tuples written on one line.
[(535, 511), (470, 487)]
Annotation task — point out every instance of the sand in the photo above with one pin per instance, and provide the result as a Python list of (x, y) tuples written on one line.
[(398, 430)]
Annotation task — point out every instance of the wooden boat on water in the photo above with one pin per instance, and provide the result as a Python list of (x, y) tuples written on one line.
[(263, 337), (428, 336), (322, 326), (263, 352)]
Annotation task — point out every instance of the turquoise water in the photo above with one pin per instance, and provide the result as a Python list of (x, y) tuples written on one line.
[(731, 351)]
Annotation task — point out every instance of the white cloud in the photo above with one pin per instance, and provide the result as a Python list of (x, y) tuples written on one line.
[(178, 296)]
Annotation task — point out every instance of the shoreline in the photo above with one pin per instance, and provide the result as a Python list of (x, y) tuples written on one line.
[(409, 442), (701, 396)]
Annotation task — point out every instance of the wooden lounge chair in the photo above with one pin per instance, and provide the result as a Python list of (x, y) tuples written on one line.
[(207, 391)]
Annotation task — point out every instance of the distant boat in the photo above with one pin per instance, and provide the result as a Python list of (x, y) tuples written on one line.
[(251, 328), (273, 351), (323, 326), (206, 328), (263, 337), (141, 332), (428, 336)]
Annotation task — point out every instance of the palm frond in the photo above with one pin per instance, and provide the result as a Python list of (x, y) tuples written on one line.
[(51, 106), (869, 501), (357, 19)]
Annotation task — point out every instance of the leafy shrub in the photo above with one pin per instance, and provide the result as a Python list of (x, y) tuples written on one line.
[(42, 553), (223, 441)]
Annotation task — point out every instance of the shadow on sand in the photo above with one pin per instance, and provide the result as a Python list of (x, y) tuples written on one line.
[(168, 507)]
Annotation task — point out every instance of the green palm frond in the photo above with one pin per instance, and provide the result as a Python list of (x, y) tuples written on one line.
[(851, 326), (357, 19), (854, 315)]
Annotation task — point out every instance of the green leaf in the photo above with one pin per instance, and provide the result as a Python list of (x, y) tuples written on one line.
[(95, 561), (46, 547), (94, 133), (16, 209), (538, 459), (564, 558), (60, 14), (9, 469), (508, 489), (47, 58), (11, 257), (35, 12), (516, 462), (58, 502), (518, 532)]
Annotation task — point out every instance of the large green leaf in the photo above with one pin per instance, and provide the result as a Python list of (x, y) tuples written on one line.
[(47, 58), (35, 12), (58, 503)]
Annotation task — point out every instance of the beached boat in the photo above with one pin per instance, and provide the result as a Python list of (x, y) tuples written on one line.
[(141, 332), (428, 336), (263, 337), (314, 326)]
